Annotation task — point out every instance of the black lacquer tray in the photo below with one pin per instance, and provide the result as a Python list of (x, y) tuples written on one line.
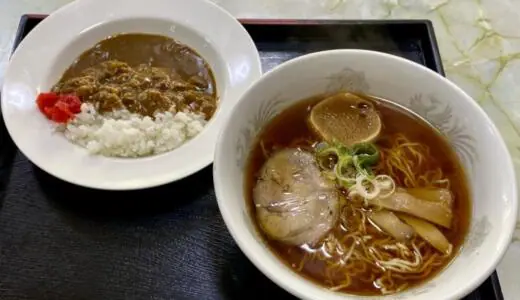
[(60, 241)]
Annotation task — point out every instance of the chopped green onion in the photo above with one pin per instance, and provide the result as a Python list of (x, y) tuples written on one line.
[(349, 162)]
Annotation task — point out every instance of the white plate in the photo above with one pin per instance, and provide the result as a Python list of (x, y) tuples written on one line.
[(53, 45)]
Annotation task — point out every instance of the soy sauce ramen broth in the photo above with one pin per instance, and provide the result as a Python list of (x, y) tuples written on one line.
[(290, 129)]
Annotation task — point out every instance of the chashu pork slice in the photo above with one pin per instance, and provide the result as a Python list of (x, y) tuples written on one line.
[(294, 203)]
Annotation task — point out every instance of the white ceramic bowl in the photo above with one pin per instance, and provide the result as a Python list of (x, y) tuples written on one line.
[(472, 134), (53, 45)]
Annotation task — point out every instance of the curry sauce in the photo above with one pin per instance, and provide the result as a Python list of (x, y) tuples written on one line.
[(144, 74)]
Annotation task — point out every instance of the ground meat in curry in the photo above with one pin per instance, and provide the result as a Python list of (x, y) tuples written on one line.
[(162, 75), (144, 90)]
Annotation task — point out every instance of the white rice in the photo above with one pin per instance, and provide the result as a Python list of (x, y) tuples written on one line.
[(124, 134)]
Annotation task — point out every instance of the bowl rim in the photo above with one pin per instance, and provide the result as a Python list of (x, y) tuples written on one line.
[(238, 234), (112, 11)]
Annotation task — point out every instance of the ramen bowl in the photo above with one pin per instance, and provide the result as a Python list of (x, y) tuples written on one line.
[(469, 131)]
